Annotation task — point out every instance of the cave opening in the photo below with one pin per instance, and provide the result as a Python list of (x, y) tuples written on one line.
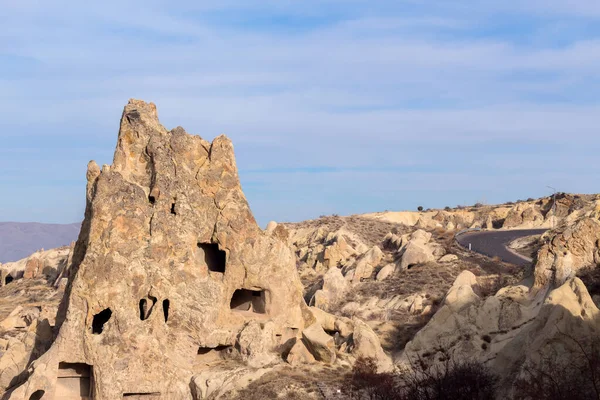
[(166, 305), (74, 381), (37, 395), (99, 320), (146, 307), (249, 300), (212, 256)]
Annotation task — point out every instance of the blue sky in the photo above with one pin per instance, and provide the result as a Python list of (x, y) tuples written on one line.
[(333, 106)]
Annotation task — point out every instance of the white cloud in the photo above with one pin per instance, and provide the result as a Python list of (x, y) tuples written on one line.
[(365, 88)]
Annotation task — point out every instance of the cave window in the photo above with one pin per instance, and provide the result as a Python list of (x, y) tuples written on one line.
[(152, 199), (8, 279), (146, 308), (141, 396), (218, 349), (173, 209), (249, 300), (210, 354), (212, 256), (143, 309), (74, 381), (166, 304), (99, 320), (37, 395)]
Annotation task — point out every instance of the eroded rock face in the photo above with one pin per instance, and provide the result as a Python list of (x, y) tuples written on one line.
[(170, 263), (570, 248), (508, 331), (49, 264)]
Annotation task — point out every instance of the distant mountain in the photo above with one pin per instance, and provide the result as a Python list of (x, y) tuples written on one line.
[(18, 240)]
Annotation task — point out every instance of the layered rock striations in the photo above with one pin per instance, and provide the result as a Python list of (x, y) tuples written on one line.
[(169, 270)]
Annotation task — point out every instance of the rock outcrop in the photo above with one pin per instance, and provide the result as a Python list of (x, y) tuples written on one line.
[(568, 249), (47, 264), (416, 250), (522, 324), (170, 266)]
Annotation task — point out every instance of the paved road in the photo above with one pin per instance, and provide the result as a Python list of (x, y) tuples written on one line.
[(493, 243)]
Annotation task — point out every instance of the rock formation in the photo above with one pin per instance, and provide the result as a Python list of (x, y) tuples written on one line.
[(49, 264), (570, 248), (521, 324), (170, 267)]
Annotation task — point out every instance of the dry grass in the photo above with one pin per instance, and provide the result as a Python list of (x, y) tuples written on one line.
[(370, 231), (27, 292), (291, 383), (432, 278)]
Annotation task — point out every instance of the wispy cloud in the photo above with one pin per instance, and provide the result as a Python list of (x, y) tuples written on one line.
[(334, 97)]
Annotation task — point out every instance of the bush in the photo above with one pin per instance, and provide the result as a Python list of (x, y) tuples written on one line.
[(420, 208), (447, 380), (447, 208), (573, 375), (366, 383)]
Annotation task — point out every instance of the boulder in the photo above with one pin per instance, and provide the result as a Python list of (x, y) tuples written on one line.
[(420, 236), (319, 343), (366, 263), (415, 253), (462, 293), (335, 284), (386, 272), (448, 258), (299, 354), (326, 320), (366, 344)]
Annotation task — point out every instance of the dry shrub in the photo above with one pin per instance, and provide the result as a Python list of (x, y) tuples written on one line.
[(567, 376), (365, 383), (447, 380)]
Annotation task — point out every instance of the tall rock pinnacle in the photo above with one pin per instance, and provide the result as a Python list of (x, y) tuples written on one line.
[(170, 264)]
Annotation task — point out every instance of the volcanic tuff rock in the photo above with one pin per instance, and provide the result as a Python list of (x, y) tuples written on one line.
[(569, 249), (50, 264), (521, 324), (170, 266)]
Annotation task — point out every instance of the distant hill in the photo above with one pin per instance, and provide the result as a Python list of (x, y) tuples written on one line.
[(18, 240)]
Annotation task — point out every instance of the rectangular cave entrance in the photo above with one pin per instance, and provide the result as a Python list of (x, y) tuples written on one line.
[(254, 301), (212, 256), (74, 382)]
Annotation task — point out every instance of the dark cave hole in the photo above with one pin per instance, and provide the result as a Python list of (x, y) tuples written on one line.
[(249, 300), (214, 258), (8, 279), (152, 199), (173, 209), (146, 308), (166, 304), (37, 395), (207, 350), (99, 320)]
